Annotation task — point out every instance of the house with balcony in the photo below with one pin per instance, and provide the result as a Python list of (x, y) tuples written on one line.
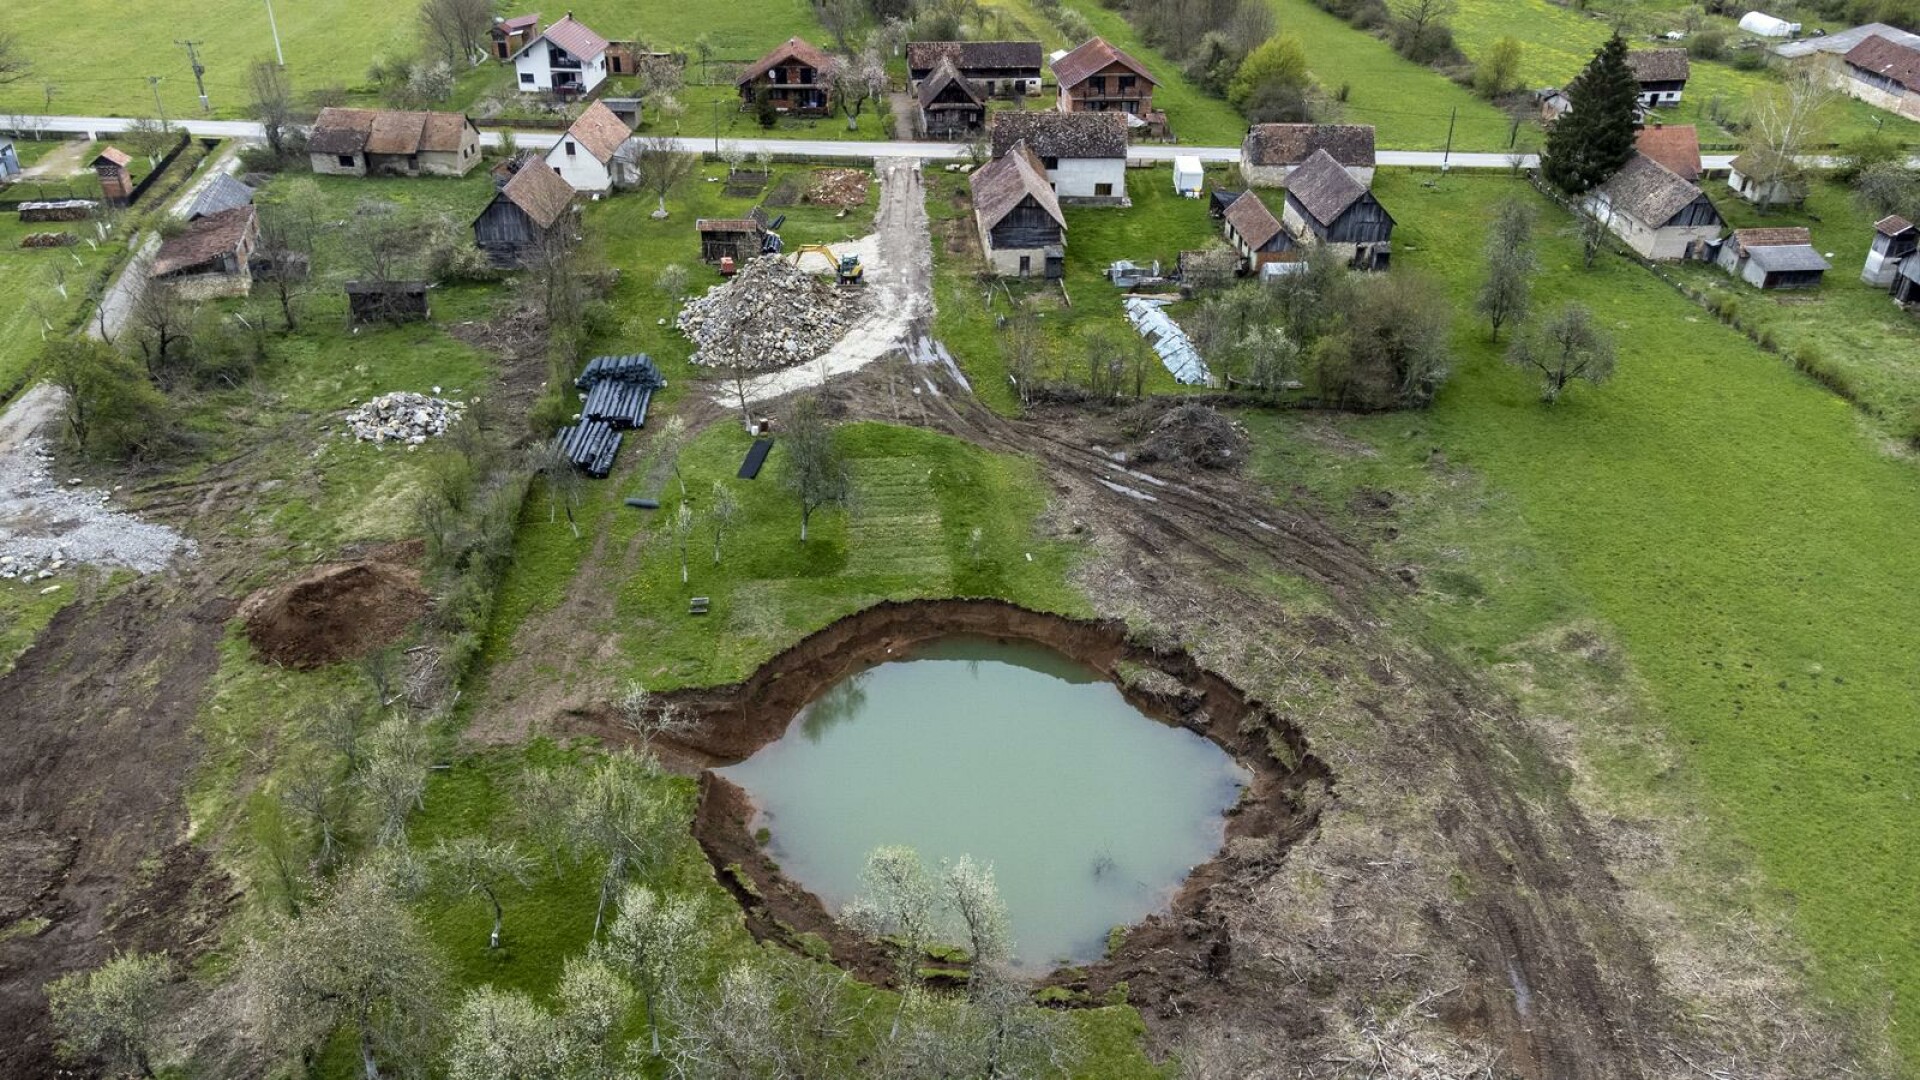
[(1097, 77), (793, 77), (567, 59)]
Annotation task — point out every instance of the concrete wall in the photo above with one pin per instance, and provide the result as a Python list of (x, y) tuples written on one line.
[(457, 163), (329, 165), (581, 170), (1662, 245), (1905, 104), (1078, 178), (211, 286)]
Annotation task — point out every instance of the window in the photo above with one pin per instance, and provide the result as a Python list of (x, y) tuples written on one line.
[(1103, 190), (1026, 265), (569, 147), (1049, 163), (1097, 84), (1126, 83), (526, 78), (346, 161)]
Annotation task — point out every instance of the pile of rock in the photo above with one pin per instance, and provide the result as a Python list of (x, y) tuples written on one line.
[(34, 566), (771, 315), (403, 417)]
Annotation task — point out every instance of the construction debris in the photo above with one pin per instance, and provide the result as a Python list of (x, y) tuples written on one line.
[(403, 417), (619, 389), (770, 315), (841, 189), (1169, 342), (1189, 434)]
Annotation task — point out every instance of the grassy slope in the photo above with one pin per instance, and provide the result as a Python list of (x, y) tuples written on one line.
[(104, 51), (29, 279), (1407, 103), (1734, 524), (1856, 327)]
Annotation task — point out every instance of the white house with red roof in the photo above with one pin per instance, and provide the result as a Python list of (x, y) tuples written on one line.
[(568, 58)]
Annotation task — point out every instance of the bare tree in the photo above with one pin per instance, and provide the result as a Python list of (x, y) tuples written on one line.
[(725, 508), (1780, 120), (899, 903), (395, 776), (815, 472), (840, 17), (669, 444), (476, 866), (1024, 345), (148, 137), (1507, 291), (854, 81), (289, 226), (561, 479), (655, 941), (457, 29), (1594, 225), (162, 325), (318, 799), (683, 522), (1568, 346), (1420, 26), (354, 961), (111, 1013), (661, 168), (649, 716), (271, 102), (14, 64)]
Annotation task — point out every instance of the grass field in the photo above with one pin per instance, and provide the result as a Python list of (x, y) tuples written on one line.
[(1854, 327), (1731, 522), (31, 280), (100, 54)]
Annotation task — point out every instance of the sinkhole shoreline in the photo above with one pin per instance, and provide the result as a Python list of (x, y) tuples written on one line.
[(1169, 955)]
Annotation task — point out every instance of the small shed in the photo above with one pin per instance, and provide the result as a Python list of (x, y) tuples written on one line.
[(386, 301), (738, 239), (1785, 187), (1906, 283), (1256, 235), (1761, 24), (1773, 258), (1895, 240), (1189, 177), (9, 160), (116, 181)]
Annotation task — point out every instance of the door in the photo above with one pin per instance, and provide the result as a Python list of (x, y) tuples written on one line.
[(1026, 265)]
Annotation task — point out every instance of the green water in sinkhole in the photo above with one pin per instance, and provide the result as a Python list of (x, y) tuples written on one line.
[(1090, 812)]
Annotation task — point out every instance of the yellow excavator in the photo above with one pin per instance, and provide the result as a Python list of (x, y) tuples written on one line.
[(846, 267)]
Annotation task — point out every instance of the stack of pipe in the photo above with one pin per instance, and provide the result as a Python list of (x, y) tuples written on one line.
[(591, 445)]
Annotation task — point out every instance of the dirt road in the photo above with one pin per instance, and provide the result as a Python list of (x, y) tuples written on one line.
[(900, 277)]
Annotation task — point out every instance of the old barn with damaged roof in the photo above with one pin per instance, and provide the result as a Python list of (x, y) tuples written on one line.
[(1271, 152), (1327, 207), (994, 67), (386, 142), (526, 210), (1656, 211)]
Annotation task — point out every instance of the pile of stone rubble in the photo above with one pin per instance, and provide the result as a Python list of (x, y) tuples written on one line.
[(37, 566), (403, 417), (771, 315)]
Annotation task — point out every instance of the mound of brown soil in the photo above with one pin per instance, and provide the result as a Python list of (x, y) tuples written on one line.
[(333, 613)]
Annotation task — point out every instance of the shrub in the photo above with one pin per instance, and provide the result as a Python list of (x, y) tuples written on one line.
[(1708, 44), (1749, 59)]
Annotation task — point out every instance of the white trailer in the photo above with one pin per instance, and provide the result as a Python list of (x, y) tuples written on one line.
[(1188, 176)]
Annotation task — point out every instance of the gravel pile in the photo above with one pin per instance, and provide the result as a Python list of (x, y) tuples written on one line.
[(771, 315), (46, 527), (403, 417)]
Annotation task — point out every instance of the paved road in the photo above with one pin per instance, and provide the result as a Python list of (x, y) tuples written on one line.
[(826, 148)]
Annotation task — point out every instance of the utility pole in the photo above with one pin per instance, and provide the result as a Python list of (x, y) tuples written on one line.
[(154, 81), (198, 71), (278, 56), (1448, 152)]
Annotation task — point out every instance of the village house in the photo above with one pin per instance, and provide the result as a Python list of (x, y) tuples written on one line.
[(116, 179), (1895, 240), (1083, 155), (1780, 190), (951, 106), (1256, 235), (1326, 206), (1884, 73), (1272, 151), (1657, 212), (995, 67), (1677, 146), (1773, 258), (526, 210), (567, 58), (587, 155), (738, 239), (1022, 230), (793, 77), (381, 142), (211, 256), (511, 35), (1096, 77), (1662, 74)]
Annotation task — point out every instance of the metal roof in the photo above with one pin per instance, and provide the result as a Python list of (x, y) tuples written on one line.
[(1787, 257), (1167, 340)]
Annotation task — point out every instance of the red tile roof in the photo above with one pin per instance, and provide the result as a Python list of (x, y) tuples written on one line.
[(1676, 146), (205, 240), (1096, 55), (791, 49), (572, 35), (599, 131)]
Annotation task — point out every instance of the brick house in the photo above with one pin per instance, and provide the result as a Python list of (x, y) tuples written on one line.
[(793, 77), (1097, 77)]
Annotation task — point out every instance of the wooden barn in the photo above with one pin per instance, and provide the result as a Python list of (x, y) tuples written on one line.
[(524, 212), (951, 107), (995, 67), (738, 239), (1021, 227), (1327, 206)]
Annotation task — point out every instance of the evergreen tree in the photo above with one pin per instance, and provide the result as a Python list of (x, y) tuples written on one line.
[(1596, 135)]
